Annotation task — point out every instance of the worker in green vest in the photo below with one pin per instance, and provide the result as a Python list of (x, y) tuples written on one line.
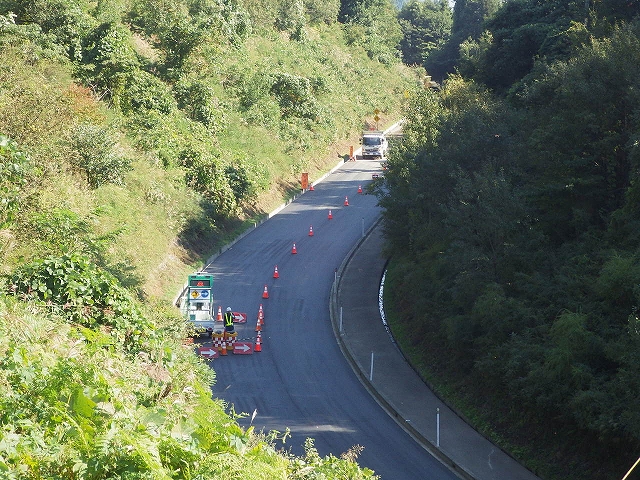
[(228, 321)]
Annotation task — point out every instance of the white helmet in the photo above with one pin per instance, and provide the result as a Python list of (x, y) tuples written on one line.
[(228, 309)]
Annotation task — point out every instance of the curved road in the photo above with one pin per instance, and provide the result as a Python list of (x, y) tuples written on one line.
[(300, 380)]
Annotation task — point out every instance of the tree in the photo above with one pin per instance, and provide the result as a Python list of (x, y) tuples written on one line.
[(524, 30), (373, 24), (426, 26), (469, 17)]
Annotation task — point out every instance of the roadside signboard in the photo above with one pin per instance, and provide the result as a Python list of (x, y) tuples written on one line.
[(208, 352), (243, 348), (239, 317)]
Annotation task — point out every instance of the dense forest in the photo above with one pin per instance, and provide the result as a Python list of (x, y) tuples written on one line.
[(512, 215)]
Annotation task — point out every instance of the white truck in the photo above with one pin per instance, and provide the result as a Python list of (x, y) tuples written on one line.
[(374, 144)]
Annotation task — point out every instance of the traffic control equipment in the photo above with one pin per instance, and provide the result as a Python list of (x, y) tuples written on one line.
[(311, 230), (230, 339), (219, 318), (311, 187), (265, 293), (330, 216), (359, 188), (261, 314), (346, 201), (223, 348), (294, 250), (258, 346), (275, 272), (258, 325)]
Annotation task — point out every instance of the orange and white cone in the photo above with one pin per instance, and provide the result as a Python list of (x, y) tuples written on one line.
[(219, 317), (275, 272), (359, 188), (258, 325), (346, 201), (258, 346), (261, 314), (330, 216), (265, 293), (311, 187), (311, 230), (294, 250)]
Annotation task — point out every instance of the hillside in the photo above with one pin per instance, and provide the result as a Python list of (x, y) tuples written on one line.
[(136, 138)]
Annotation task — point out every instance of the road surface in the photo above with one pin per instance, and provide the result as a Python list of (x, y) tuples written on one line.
[(300, 380)]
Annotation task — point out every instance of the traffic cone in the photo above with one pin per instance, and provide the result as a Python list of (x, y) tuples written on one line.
[(258, 325), (275, 272), (258, 346), (346, 201), (261, 315), (223, 348), (311, 230), (265, 294), (294, 250), (219, 318), (330, 216), (311, 187), (359, 188)]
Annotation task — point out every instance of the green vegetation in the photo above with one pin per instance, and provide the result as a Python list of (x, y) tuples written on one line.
[(136, 138), (512, 217)]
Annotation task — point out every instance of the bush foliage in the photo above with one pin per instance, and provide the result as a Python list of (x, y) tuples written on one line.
[(512, 223)]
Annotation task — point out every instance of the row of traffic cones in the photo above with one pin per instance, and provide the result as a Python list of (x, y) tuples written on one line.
[(276, 274), (260, 323)]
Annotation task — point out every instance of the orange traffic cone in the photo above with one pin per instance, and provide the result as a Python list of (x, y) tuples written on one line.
[(261, 315), (258, 325), (311, 230), (294, 250), (265, 294), (359, 188), (219, 318), (223, 348), (311, 187), (346, 201), (330, 216), (275, 272), (258, 346)]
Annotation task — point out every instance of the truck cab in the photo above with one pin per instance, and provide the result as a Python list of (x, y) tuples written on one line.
[(374, 144)]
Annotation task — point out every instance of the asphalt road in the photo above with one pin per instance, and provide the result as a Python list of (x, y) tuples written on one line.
[(300, 380)]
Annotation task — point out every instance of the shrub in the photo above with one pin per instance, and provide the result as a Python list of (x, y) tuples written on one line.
[(200, 104), (96, 155), (146, 92), (294, 96), (82, 293), (14, 169)]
